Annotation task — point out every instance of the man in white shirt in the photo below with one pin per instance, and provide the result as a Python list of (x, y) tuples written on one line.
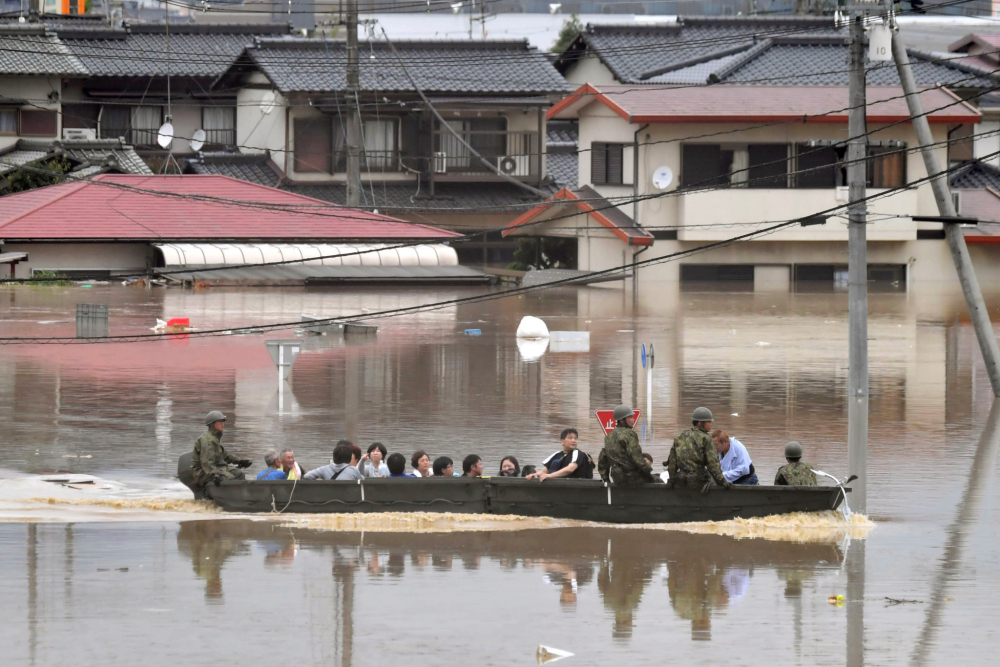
[(734, 458)]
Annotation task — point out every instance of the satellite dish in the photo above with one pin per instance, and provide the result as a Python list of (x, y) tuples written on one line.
[(663, 177), (197, 141), (165, 135), (267, 102)]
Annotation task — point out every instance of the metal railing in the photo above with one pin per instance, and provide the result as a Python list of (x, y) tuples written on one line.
[(223, 137), (513, 153), (378, 161)]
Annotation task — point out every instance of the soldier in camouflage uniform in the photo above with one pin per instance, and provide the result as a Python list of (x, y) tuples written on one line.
[(797, 472), (621, 460), (694, 462), (209, 461)]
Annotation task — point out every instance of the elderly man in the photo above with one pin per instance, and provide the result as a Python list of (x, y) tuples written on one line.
[(273, 470), (734, 459), (290, 465), (209, 461)]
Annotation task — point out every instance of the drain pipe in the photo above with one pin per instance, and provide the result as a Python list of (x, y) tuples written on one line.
[(635, 217)]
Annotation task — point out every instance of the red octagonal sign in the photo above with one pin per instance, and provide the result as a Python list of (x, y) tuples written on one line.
[(607, 419)]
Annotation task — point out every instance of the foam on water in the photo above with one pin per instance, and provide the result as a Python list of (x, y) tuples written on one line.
[(420, 522), (802, 527)]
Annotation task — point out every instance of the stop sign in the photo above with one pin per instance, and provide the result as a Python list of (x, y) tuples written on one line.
[(607, 419)]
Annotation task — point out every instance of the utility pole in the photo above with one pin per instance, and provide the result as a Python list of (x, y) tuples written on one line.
[(857, 268), (946, 207), (353, 109)]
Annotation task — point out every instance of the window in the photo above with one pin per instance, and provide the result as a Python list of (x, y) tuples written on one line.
[(768, 166), (38, 123), (146, 122), (818, 165), (705, 165), (380, 145), (137, 125), (8, 121), (886, 166), (717, 272), (80, 115), (610, 164), (219, 124), (313, 143), (488, 136), (115, 122), (962, 143)]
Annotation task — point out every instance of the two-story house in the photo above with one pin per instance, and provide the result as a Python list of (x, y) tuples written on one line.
[(291, 101), (689, 147)]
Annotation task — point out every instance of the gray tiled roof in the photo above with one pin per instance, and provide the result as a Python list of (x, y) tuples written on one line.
[(436, 66), (563, 168), (562, 134), (976, 174), (88, 157), (631, 51), (826, 65), (36, 54), (387, 197)]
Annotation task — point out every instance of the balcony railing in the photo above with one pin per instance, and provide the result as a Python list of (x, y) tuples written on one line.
[(371, 161), (223, 137), (140, 137), (516, 154)]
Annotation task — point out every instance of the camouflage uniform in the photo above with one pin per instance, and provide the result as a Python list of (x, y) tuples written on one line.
[(622, 460), (210, 458), (693, 460), (797, 473)]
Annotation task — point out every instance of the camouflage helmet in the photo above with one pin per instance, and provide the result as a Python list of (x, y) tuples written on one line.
[(702, 415), (621, 412), (793, 450), (214, 416)]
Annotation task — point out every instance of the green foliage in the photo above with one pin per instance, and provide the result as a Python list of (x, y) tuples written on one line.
[(49, 278), (570, 29), (544, 253), (29, 179)]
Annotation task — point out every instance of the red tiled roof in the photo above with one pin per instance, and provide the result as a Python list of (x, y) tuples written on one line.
[(584, 199), (192, 208), (767, 104)]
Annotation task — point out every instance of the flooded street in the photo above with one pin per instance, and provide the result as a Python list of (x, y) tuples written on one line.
[(137, 574)]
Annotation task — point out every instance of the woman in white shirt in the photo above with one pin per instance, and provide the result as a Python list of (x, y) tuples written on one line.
[(373, 463), (421, 463)]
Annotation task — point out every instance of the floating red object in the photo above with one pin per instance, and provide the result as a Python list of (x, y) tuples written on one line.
[(179, 322)]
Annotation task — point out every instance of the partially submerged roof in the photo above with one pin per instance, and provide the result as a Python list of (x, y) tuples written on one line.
[(87, 157), (589, 201), (317, 65), (727, 104), (30, 52), (189, 208)]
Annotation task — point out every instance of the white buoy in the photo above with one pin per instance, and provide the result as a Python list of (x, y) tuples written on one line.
[(532, 349), (532, 327)]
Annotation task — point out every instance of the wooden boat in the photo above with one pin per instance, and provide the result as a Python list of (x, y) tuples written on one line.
[(580, 499)]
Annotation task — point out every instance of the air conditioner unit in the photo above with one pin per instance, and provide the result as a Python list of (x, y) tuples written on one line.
[(79, 134), (515, 165), (440, 162)]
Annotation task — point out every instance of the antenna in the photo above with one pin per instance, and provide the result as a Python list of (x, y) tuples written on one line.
[(197, 141), (165, 135), (663, 177)]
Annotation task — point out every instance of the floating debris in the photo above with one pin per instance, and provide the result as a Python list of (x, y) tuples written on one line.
[(547, 654), (836, 600)]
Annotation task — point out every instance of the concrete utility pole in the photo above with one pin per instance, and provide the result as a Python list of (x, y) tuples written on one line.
[(857, 269), (353, 109), (946, 207)]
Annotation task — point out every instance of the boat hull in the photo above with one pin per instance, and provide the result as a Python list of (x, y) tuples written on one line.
[(585, 500)]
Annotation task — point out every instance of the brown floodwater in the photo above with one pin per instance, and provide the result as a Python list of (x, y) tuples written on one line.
[(126, 571)]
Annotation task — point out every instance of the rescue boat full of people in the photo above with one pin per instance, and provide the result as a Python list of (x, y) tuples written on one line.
[(575, 499)]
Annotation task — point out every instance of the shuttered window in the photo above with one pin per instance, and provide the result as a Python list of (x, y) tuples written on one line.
[(768, 166), (38, 123), (704, 165), (607, 163), (313, 143)]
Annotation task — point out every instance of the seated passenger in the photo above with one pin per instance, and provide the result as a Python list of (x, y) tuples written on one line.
[(797, 472), (472, 466), (421, 463), (567, 462), (663, 476), (444, 467), (341, 468), (528, 470), (273, 470), (396, 463), (290, 465), (734, 459), (373, 463), (509, 467)]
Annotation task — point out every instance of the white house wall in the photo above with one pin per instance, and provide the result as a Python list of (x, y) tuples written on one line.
[(256, 131), (591, 70), (70, 256), (987, 142)]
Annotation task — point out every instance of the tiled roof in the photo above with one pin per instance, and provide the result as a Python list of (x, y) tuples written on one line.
[(562, 134), (192, 208), (563, 168), (89, 157), (23, 53), (253, 168), (826, 65), (975, 174), (762, 52), (586, 200), (731, 104), (631, 51), (436, 66)]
